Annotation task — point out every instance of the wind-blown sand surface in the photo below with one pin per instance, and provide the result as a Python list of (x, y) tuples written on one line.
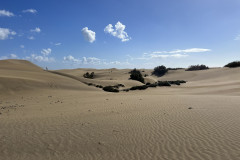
[(53, 116)]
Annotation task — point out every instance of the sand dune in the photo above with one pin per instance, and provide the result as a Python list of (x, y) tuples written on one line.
[(215, 81), (44, 115), (104, 77), (21, 75)]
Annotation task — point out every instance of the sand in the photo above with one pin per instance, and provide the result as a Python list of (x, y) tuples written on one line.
[(57, 117)]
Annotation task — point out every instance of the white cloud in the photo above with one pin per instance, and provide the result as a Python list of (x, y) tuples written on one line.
[(168, 56), (83, 60), (31, 38), (42, 58), (58, 44), (190, 50), (30, 11), (22, 46), (115, 62), (157, 55), (109, 29), (70, 58), (38, 58), (46, 52), (5, 33), (89, 35), (237, 37), (6, 13), (91, 61), (13, 56), (118, 31), (37, 30)]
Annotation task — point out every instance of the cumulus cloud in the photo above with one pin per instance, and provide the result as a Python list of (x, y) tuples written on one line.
[(70, 58), (118, 31), (89, 35), (6, 13), (46, 52), (37, 30), (5, 33), (39, 58), (83, 60), (42, 58), (91, 61), (190, 50), (30, 11)]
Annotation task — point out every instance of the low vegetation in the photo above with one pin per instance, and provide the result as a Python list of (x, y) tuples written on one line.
[(164, 83), (233, 64), (177, 82), (174, 68), (120, 85), (152, 85), (197, 67), (160, 70), (139, 87), (99, 86), (136, 75), (159, 83), (110, 89), (88, 75)]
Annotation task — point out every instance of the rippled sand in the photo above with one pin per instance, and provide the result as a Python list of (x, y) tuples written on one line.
[(49, 116)]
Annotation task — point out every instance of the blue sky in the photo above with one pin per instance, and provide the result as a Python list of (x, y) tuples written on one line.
[(120, 33)]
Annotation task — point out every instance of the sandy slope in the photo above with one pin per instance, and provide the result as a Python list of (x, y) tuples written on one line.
[(104, 77), (76, 121), (21, 75)]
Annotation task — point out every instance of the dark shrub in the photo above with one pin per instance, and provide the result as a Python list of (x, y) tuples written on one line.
[(174, 82), (139, 87), (197, 67), (174, 68), (159, 70), (177, 82), (87, 75), (182, 81), (152, 85), (99, 86), (120, 85), (136, 75), (110, 89), (126, 90), (145, 75), (233, 64), (163, 83)]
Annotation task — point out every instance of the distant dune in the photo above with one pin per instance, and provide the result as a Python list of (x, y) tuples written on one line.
[(56, 115)]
